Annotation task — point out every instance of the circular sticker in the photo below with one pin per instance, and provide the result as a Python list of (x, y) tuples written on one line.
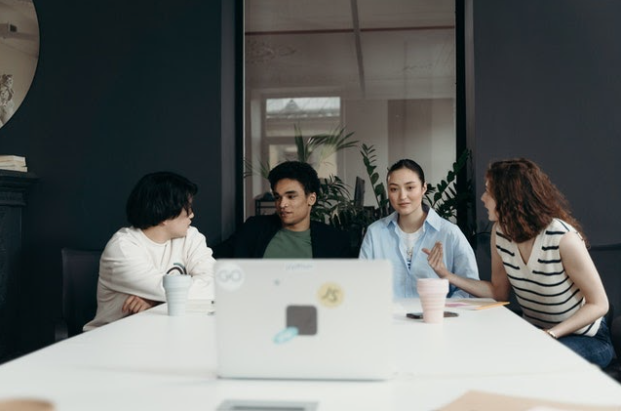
[(229, 276), (330, 295)]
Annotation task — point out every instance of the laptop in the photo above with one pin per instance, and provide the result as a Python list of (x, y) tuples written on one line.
[(304, 319)]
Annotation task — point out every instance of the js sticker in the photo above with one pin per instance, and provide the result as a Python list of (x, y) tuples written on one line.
[(330, 295)]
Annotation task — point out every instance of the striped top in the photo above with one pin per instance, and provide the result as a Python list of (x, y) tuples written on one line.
[(543, 289)]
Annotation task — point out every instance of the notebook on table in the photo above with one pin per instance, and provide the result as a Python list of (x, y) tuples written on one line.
[(304, 319)]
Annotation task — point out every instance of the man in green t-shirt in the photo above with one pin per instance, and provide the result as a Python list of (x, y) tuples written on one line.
[(289, 233)]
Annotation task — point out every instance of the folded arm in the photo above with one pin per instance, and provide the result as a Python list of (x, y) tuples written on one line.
[(126, 267), (200, 265), (134, 304), (581, 270)]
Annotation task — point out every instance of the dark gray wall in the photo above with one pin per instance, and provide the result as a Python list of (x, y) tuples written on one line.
[(547, 87), (122, 88)]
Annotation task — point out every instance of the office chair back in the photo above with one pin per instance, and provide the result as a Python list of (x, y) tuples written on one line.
[(615, 335), (80, 276), (614, 368)]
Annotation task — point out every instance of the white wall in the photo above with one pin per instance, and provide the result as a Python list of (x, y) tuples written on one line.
[(368, 119), (422, 130)]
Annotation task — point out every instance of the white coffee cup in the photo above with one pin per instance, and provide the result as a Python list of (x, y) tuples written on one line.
[(177, 287), (432, 292)]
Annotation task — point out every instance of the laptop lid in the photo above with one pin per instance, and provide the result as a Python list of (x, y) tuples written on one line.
[(304, 319)]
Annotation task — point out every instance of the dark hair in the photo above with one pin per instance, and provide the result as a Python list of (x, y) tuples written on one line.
[(410, 165), (159, 197), (304, 173), (526, 199)]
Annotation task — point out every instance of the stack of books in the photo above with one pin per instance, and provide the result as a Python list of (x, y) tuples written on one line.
[(15, 163)]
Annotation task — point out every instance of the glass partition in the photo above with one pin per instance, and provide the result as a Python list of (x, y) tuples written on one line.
[(382, 70)]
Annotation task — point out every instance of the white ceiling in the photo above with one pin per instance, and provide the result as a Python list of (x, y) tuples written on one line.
[(19, 27), (373, 49)]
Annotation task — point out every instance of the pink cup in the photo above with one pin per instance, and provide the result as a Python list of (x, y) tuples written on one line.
[(432, 292)]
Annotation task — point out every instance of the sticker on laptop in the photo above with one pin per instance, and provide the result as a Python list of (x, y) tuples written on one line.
[(286, 335), (229, 276), (330, 295)]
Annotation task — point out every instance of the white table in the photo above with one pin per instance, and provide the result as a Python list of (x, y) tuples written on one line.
[(490, 342), (152, 361)]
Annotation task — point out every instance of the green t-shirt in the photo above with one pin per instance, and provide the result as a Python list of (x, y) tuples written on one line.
[(290, 244)]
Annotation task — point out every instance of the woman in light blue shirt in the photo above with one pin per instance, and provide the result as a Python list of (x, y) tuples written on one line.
[(414, 237)]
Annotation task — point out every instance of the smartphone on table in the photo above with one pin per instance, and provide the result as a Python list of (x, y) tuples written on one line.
[(419, 316)]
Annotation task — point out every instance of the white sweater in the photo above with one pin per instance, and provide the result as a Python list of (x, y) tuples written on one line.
[(132, 264)]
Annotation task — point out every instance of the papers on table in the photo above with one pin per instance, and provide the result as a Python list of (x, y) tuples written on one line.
[(485, 401), (474, 304), (201, 306)]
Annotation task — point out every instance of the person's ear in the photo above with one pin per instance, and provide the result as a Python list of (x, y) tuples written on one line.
[(312, 199), (424, 188)]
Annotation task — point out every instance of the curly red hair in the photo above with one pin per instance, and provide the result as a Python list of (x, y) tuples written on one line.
[(526, 199)]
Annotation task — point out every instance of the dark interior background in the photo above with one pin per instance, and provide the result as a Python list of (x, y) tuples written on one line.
[(546, 87), (122, 88), (128, 87)]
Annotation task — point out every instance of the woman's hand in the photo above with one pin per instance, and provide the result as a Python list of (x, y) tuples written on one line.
[(134, 304), (435, 257)]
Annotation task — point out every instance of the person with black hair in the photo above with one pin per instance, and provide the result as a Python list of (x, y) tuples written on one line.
[(418, 242), (160, 240), (289, 233)]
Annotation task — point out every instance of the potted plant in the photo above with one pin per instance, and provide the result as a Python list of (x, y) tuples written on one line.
[(335, 205)]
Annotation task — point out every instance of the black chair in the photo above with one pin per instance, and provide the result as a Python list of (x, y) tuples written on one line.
[(607, 259), (615, 335), (80, 276), (614, 368)]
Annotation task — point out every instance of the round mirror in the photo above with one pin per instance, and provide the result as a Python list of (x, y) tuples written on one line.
[(19, 53)]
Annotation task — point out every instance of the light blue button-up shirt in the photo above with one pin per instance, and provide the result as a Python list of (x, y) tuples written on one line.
[(382, 242)]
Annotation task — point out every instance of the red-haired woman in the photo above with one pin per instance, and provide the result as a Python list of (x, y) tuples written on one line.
[(539, 250)]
